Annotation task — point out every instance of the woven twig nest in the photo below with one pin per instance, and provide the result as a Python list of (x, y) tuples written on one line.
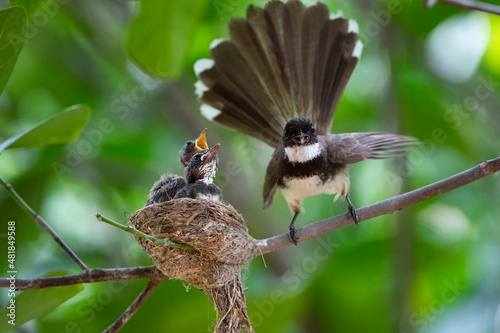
[(223, 246)]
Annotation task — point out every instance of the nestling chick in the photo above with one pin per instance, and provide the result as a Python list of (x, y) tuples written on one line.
[(199, 177), (168, 185)]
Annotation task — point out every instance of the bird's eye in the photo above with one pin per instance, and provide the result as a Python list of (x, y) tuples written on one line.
[(313, 130)]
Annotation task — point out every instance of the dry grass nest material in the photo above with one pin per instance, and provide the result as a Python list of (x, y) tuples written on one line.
[(216, 231), (223, 246)]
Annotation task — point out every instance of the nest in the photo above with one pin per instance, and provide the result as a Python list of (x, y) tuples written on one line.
[(223, 246)]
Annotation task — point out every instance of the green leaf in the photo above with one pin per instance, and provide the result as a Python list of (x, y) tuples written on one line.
[(61, 128), (31, 304), (160, 36), (31, 6), (12, 24)]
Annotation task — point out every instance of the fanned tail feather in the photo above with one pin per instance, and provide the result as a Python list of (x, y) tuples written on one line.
[(280, 61)]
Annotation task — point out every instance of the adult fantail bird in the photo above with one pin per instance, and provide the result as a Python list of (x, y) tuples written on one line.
[(168, 185), (288, 59)]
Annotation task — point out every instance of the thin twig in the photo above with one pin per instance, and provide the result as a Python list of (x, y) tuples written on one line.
[(20, 201), (89, 276), (388, 206), (132, 309), (138, 233), (467, 4)]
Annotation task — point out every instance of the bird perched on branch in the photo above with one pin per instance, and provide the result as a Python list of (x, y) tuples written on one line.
[(286, 60), (200, 172), (168, 185)]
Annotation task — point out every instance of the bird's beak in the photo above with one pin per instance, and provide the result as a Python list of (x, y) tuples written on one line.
[(201, 141), (301, 138), (211, 154)]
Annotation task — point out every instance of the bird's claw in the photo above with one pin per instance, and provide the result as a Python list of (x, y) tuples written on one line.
[(353, 213), (292, 234)]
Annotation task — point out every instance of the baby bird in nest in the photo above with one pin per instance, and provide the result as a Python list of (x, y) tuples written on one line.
[(168, 185), (199, 177)]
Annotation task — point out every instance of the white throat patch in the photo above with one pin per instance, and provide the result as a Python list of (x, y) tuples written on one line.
[(302, 154), (207, 180)]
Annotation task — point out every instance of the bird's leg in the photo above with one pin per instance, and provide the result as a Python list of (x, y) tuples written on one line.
[(292, 230), (352, 211)]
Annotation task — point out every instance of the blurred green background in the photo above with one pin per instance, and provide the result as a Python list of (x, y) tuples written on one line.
[(433, 74)]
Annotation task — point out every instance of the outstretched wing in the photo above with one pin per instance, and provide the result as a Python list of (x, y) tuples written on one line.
[(271, 182), (280, 60), (350, 148)]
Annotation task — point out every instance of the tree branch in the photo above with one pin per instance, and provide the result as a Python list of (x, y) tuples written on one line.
[(89, 276), (388, 206), (132, 309), (275, 243), (467, 4), (20, 201)]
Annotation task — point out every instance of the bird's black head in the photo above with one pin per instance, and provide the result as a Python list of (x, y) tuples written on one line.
[(299, 132), (192, 147), (203, 165)]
